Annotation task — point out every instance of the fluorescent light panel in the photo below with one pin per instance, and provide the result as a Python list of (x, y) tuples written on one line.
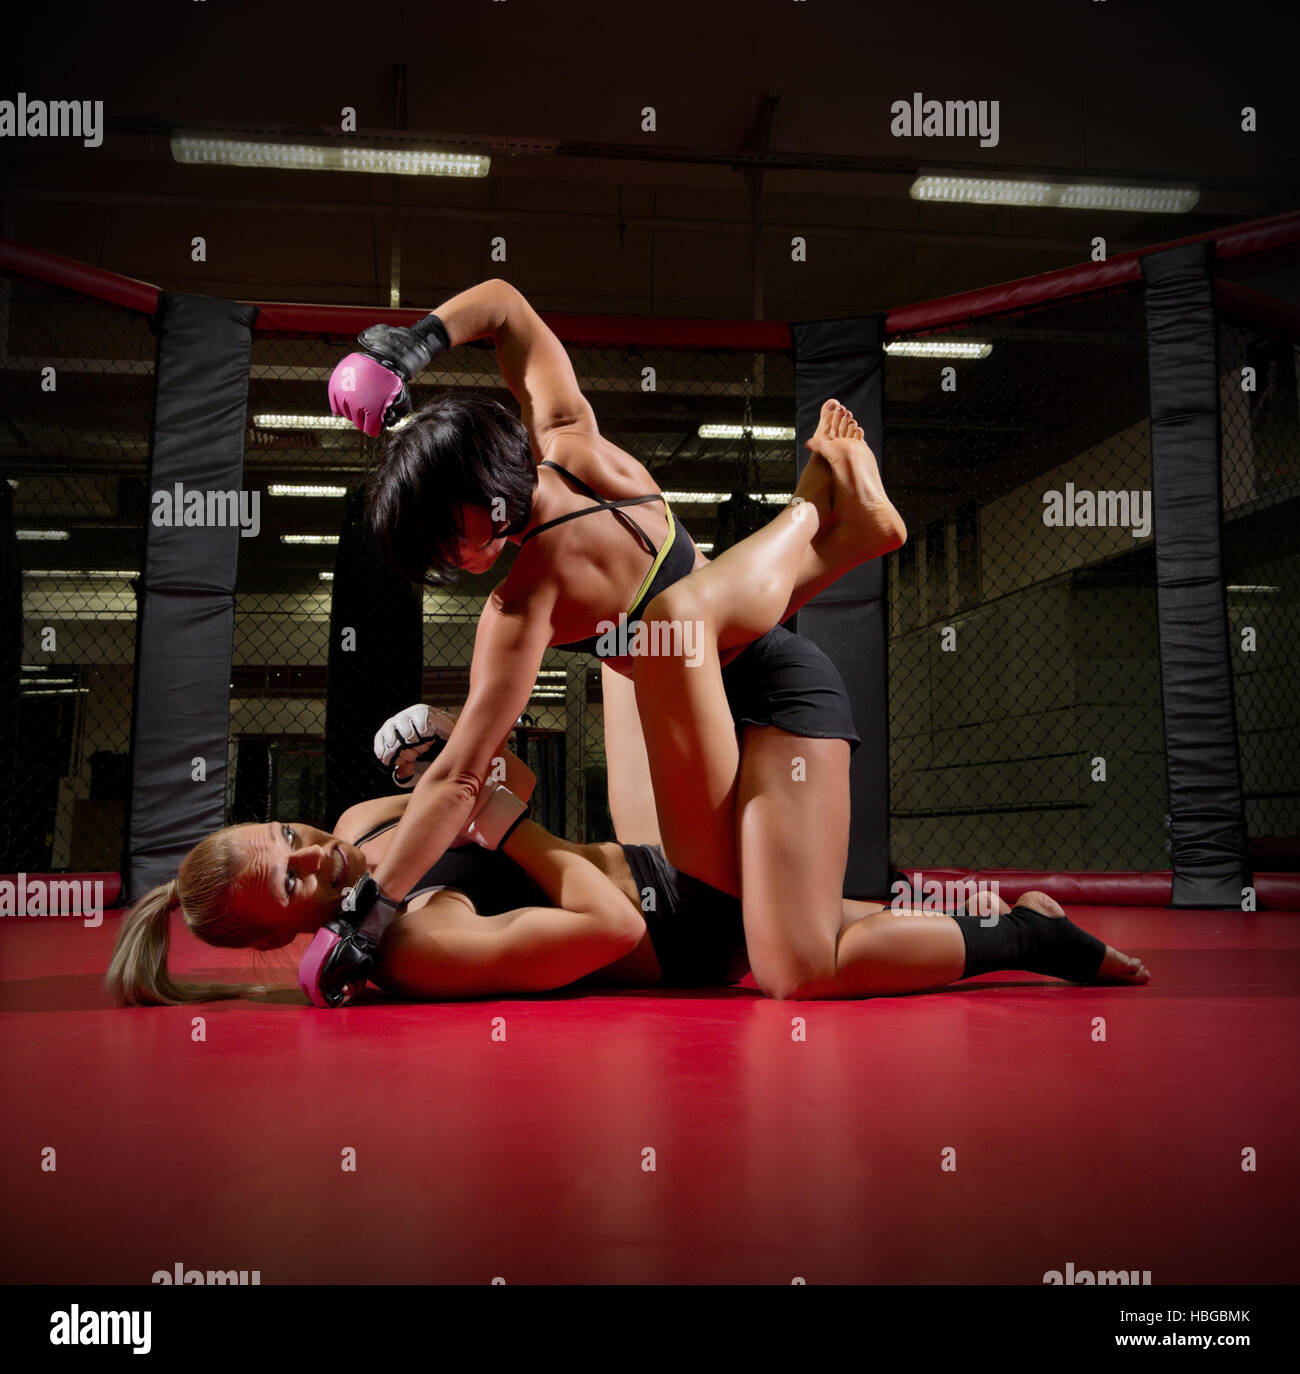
[(711, 498), (282, 489), (273, 421), (1060, 195), (102, 573), (50, 536), (937, 348), (309, 539), (769, 432), (327, 157)]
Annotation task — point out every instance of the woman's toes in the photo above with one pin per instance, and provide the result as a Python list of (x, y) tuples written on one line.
[(825, 423), (1121, 968)]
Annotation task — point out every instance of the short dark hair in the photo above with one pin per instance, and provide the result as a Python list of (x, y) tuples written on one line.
[(459, 450)]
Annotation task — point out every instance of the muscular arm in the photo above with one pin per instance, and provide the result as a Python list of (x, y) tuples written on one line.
[(445, 952), (366, 815), (507, 654), (563, 871), (534, 363)]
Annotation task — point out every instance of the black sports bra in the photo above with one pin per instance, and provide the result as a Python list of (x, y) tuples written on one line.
[(492, 881), (671, 562)]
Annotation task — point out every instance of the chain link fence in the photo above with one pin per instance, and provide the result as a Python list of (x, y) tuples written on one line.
[(1024, 677), (76, 386), (1025, 713), (1260, 415), (75, 448)]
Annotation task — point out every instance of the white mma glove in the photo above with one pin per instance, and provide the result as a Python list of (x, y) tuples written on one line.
[(496, 815), (410, 741)]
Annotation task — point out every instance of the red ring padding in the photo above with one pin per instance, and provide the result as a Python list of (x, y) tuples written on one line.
[(1273, 891)]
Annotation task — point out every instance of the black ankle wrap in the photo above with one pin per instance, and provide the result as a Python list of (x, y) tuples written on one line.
[(1028, 940)]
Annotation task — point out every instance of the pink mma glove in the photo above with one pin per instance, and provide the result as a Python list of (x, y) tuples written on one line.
[(362, 390)]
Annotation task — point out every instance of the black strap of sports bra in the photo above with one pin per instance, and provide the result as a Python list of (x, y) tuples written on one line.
[(615, 507), (375, 830)]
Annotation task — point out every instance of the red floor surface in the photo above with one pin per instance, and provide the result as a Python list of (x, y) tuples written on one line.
[(774, 1158)]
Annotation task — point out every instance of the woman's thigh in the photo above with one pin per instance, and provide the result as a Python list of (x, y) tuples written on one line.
[(631, 791), (693, 753), (792, 828)]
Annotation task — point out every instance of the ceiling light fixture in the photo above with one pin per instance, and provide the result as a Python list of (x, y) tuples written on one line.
[(327, 155), (1058, 195), (937, 348), (101, 573), (301, 422), (765, 432), (711, 498)]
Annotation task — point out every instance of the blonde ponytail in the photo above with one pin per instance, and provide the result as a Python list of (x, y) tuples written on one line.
[(138, 975)]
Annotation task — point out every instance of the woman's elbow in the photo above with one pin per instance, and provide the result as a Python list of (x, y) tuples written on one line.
[(464, 787), (626, 927)]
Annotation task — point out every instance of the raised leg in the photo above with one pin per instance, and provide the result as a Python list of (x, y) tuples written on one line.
[(686, 720)]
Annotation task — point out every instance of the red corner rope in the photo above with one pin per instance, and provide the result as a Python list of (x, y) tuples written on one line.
[(1234, 299), (1237, 241), (25, 261)]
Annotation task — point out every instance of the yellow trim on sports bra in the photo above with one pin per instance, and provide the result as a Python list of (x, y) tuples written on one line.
[(659, 558)]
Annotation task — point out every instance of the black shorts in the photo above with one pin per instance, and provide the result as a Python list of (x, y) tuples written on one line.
[(697, 932), (785, 680)]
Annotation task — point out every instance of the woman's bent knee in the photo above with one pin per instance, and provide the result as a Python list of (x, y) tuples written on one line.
[(786, 980), (676, 603)]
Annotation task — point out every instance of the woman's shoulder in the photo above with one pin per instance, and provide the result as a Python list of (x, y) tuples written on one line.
[(364, 816), (598, 462)]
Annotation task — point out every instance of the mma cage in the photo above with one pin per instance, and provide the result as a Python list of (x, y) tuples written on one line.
[(1086, 657)]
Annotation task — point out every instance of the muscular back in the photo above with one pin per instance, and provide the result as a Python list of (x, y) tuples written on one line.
[(596, 563)]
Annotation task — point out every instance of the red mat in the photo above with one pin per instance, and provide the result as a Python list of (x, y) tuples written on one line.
[(774, 1157)]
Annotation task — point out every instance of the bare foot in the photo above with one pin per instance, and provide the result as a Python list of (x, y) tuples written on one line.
[(1115, 967), (861, 514), (815, 484), (816, 480)]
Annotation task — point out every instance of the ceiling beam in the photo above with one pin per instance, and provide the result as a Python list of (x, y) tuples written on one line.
[(566, 218)]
